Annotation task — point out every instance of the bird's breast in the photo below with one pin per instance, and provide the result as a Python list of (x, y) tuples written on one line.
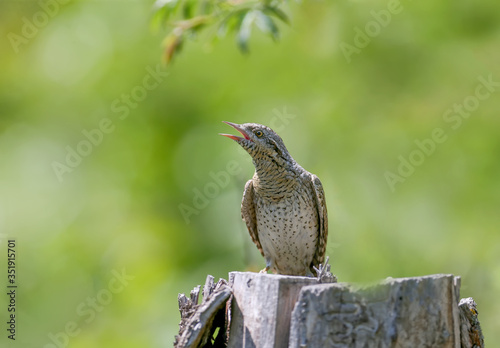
[(288, 230)]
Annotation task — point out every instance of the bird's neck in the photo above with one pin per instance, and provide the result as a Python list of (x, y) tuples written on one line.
[(271, 174)]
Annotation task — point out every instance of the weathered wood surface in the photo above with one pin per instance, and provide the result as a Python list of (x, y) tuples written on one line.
[(261, 308), (472, 335), (406, 312), (265, 310), (197, 320)]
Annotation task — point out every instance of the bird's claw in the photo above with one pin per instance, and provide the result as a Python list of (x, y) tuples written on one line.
[(323, 273)]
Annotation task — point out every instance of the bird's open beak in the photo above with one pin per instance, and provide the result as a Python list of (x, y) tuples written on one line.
[(239, 129)]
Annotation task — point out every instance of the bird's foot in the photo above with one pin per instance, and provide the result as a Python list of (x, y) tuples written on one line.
[(264, 271), (323, 273)]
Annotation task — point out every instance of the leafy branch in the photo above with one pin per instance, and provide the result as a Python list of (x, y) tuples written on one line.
[(186, 19)]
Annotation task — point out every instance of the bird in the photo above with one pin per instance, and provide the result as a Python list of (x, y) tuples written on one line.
[(283, 205)]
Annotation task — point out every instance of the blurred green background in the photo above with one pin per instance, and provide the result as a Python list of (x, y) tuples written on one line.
[(119, 208)]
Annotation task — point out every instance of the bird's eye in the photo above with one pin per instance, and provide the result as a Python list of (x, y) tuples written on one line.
[(259, 133)]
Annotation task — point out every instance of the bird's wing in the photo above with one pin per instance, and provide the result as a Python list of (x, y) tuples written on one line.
[(319, 196), (248, 214)]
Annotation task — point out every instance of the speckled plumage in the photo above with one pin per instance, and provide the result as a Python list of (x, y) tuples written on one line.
[(283, 204)]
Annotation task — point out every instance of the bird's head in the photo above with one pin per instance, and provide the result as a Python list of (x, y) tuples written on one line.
[(261, 142)]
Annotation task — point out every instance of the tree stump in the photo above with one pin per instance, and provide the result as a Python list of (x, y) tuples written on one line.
[(261, 308), (407, 312), (264, 310), (200, 321)]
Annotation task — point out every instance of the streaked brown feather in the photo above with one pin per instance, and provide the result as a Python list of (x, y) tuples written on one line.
[(248, 214), (319, 195)]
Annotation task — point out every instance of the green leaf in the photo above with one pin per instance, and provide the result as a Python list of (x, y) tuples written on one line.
[(245, 31), (165, 4), (206, 7), (188, 8), (163, 10), (231, 22), (267, 25), (278, 13)]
